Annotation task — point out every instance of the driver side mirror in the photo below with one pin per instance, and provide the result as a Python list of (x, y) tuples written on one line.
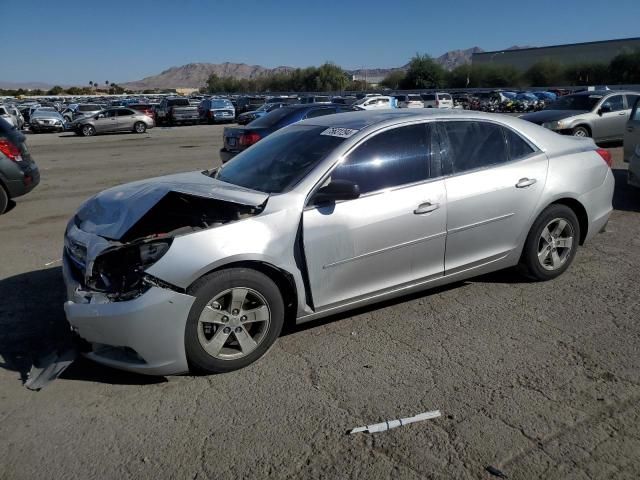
[(100, 115), (335, 191), (604, 109)]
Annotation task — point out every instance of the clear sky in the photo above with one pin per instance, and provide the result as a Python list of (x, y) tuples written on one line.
[(72, 42)]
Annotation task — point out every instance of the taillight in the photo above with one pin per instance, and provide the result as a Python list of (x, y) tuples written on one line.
[(606, 156), (247, 139), (10, 150)]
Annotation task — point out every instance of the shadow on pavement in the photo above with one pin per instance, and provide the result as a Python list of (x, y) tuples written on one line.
[(33, 327), (625, 197)]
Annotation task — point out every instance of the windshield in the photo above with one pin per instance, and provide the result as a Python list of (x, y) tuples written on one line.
[(221, 103), (575, 102), (271, 118), (280, 161)]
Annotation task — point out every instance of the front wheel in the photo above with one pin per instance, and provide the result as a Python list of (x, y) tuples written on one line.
[(581, 132), (139, 127), (552, 243), (237, 315), (88, 131)]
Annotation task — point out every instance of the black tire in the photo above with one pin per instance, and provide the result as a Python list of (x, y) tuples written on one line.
[(212, 285), (139, 127), (4, 200), (87, 131), (534, 243), (581, 131)]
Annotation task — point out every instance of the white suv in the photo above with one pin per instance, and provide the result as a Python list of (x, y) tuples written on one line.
[(437, 100), (409, 101), (374, 103)]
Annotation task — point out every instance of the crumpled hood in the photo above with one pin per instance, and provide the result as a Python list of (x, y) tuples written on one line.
[(111, 213), (551, 115)]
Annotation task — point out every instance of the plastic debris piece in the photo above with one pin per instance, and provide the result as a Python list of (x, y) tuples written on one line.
[(49, 368), (495, 472), (389, 424)]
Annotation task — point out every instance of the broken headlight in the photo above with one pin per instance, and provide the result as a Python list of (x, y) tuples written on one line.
[(120, 272)]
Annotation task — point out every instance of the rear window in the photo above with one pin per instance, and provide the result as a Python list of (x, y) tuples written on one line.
[(89, 108), (415, 98), (179, 102), (273, 117), (322, 99), (428, 97), (444, 96), (221, 103)]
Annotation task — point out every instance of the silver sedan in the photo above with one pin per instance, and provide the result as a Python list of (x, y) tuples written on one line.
[(201, 270), (113, 120)]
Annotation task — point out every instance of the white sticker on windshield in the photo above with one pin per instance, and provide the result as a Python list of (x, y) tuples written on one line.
[(339, 132)]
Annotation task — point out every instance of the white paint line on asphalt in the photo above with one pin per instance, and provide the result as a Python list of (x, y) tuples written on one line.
[(48, 264)]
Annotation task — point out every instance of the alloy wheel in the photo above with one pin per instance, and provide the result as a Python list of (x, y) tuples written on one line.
[(555, 244), (234, 323)]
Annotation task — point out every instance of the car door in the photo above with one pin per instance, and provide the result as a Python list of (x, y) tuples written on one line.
[(125, 118), (632, 131), (393, 234), (612, 118), (106, 121), (495, 181)]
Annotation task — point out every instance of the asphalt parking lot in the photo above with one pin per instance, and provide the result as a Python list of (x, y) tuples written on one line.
[(540, 380)]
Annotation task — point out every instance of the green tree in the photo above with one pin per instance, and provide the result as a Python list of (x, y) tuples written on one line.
[(625, 67), (587, 74), (423, 72), (56, 90), (393, 80), (460, 77), (545, 73)]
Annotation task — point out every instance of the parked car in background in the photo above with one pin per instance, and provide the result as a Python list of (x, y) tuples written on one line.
[(348, 100), (175, 111), (214, 110), (319, 218), (601, 115), (632, 145), (437, 100), (248, 104), (146, 108), (237, 139), (46, 120), (315, 99), (374, 103), (18, 172), (5, 115), (409, 101), (73, 112), (248, 117), (118, 119)]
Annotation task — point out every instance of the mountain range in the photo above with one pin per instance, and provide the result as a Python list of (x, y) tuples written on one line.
[(195, 75)]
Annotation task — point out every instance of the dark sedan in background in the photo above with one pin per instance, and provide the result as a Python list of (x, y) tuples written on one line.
[(237, 139), (18, 172)]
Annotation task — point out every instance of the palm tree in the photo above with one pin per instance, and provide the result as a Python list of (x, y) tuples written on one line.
[(91, 83), (106, 82)]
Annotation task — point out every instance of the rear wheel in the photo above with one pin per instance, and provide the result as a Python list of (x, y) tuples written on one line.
[(552, 243), (238, 314), (139, 127), (88, 130), (4, 200), (581, 132)]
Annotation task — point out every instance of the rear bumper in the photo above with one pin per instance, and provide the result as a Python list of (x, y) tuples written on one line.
[(226, 155), (19, 180), (598, 205), (144, 335)]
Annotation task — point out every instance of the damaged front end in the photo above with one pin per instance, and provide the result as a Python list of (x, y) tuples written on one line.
[(118, 234), (128, 318)]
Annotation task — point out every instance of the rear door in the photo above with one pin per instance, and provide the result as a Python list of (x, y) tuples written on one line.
[(393, 234), (495, 182), (125, 119), (632, 131)]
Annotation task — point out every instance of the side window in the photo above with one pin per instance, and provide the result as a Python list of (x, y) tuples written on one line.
[(615, 103), (474, 145), (124, 112), (518, 148), (389, 159), (383, 101), (108, 113), (320, 112), (631, 103)]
